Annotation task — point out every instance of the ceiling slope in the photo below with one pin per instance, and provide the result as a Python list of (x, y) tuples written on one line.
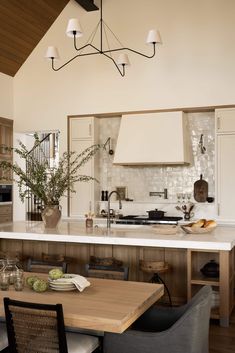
[(22, 25)]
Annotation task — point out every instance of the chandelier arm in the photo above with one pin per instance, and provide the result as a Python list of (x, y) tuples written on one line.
[(134, 51), (122, 72), (76, 56), (90, 38)]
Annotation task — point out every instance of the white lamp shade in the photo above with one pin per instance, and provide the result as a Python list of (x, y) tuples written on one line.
[(52, 52), (74, 26), (123, 59), (153, 37)]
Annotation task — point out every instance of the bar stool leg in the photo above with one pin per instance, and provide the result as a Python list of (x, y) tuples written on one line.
[(157, 279)]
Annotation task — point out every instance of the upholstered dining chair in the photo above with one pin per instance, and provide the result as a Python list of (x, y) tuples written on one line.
[(39, 328), (167, 330), (3, 337)]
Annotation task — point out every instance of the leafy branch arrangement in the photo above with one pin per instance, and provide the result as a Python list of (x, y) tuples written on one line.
[(47, 183)]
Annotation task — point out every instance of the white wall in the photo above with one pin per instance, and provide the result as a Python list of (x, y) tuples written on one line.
[(6, 96), (193, 67)]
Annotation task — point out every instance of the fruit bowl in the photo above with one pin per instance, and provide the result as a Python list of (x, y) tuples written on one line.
[(189, 230)]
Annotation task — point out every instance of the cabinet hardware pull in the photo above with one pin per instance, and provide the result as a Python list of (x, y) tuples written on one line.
[(218, 209), (218, 123)]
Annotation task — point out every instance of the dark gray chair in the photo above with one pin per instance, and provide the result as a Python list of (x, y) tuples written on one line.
[(167, 330), (3, 336)]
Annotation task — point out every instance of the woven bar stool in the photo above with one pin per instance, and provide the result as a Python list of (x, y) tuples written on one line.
[(156, 267)]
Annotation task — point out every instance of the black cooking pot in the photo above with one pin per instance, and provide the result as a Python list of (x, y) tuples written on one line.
[(210, 269), (155, 214)]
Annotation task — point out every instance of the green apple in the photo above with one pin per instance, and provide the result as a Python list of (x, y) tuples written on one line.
[(55, 273)]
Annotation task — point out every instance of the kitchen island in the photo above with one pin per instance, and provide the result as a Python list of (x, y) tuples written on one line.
[(185, 253)]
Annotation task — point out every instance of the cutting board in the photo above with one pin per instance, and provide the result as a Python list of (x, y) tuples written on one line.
[(200, 190)]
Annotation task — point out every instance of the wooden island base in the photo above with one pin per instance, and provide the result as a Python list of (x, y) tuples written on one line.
[(183, 279), (185, 253)]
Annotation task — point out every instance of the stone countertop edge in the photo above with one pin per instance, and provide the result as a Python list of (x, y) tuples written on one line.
[(222, 238)]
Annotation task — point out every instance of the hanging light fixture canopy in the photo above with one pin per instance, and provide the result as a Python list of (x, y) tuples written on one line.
[(74, 31)]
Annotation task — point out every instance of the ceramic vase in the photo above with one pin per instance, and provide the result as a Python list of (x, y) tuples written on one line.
[(51, 215)]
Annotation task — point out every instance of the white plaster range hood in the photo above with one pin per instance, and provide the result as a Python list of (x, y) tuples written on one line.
[(153, 138)]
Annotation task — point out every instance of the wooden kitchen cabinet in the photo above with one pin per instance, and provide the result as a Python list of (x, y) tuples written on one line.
[(224, 284), (5, 213), (6, 137), (225, 164), (225, 120), (82, 128), (83, 133)]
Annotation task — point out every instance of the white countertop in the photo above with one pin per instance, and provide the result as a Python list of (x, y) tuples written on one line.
[(222, 238)]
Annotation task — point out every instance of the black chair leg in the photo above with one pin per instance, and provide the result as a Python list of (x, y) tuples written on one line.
[(157, 279)]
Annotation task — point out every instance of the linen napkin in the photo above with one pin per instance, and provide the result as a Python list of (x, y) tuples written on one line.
[(80, 282)]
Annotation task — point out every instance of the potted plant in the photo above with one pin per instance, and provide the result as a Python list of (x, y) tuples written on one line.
[(47, 183)]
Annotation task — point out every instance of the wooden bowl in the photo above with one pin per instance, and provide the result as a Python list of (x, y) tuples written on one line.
[(190, 230)]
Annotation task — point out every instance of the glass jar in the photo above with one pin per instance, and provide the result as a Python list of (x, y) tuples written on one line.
[(2, 264), (11, 267)]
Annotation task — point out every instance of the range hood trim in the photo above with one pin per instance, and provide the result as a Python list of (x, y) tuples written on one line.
[(150, 139)]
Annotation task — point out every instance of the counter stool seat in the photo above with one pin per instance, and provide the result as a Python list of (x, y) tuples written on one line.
[(156, 267)]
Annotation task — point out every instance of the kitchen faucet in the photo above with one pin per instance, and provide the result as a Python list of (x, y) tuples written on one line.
[(108, 212)]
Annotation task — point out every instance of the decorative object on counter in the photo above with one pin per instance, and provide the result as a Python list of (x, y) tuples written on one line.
[(210, 199), (51, 215), (182, 197), (187, 210), (201, 145), (156, 214), (200, 227), (104, 195), (165, 229), (200, 190), (48, 183), (89, 220), (122, 191), (74, 30), (210, 269)]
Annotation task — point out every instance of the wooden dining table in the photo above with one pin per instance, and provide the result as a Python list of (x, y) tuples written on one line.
[(106, 305)]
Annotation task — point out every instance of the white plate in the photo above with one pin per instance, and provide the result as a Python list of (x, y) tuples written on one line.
[(63, 289), (62, 285)]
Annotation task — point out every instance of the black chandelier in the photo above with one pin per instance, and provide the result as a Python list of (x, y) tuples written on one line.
[(74, 31)]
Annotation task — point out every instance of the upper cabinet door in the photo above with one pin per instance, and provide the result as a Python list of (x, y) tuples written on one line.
[(225, 120), (6, 136), (81, 128)]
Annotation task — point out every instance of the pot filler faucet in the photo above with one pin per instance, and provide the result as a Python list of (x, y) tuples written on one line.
[(120, 206)]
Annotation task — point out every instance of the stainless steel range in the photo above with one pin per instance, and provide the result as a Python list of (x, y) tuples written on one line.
[(145, 220)]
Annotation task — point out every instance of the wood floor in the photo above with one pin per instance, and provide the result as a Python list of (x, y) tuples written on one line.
[(222, 340)]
